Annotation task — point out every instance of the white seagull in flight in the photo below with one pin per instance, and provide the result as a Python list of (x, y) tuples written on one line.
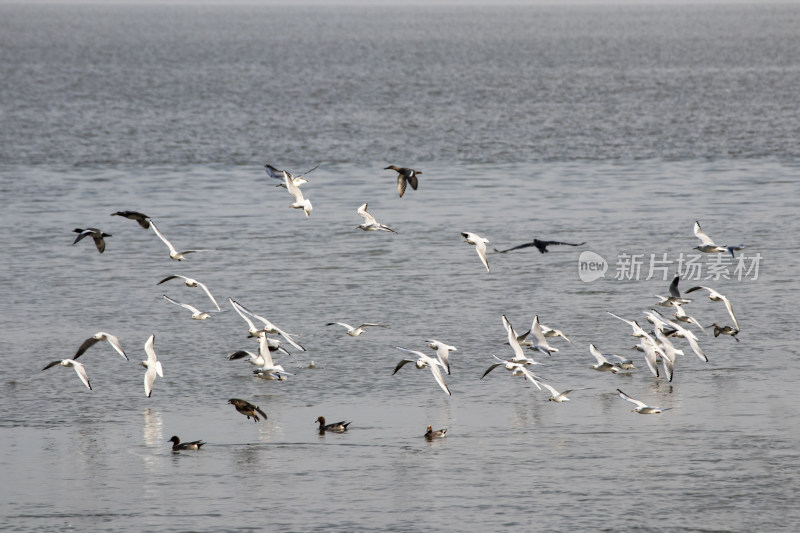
[(370, 224), (269, 327), (641, 407), (421, 362), (300, 202), (480, 246), (173, 253), (708, 246), (189, 282), (715, 296), (354, 331), (97, 337), (153, 366), (71, 363), (196, 313)]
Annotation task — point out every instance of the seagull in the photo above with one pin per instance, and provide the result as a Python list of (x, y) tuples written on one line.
[(668, 354), (173, 253), (437, 434), (300, 202), (263, 360), (196, 313), (550, 332), (405, 175), (539, 341), (651, 352), (153, 366), (97, 337), (189, 282), (354, 332), (681, 316), (725, 330), (677, 330), (622, 362), (519, 356), (177, 445), (641, 407), (637, 329), (557, 396), (674, 299), (442, 352), (336, 427), (603, 364), (95, 234), (73, 364), (269, 327), (707, 244), (247, 409), (298, 180), (480, 246), (516, 369), (422, 362), (141, 218), (714, 296), (370, 224), (540, 245)]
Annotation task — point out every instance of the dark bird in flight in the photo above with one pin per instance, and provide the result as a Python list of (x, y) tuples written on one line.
[(141, 218), (247, 409), (405, 175), (95, 234), (540, 245)]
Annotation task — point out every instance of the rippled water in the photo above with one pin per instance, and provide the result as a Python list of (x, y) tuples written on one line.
[(131, 125)]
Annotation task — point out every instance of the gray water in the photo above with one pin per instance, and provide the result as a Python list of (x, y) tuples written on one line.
[(615, 126)]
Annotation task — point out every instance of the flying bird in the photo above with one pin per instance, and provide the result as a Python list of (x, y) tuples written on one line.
[(715, 296), (298, 179), (442, 352), (540, 245), (516, 369), (725, 330), (370, 224), (142, 219), (94, 233), (603, 364), (269, 327), (247, 409), (97, 337), (153, 366), (674, 299), (708, 246), (421, 362), (480, 245), (300, 202), (189, 282), (173, 253), (355, 332), (71, 363), (641, 407), (196, 313), (404, 176)]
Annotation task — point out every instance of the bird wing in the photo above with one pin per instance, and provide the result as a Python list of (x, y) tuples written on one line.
[(114, 342), (241, 310), (150, 351), (205, 288), (293, 189), (628, 398), (273, 172), (173, 276), (730, 311), (412, 180), (512, 339), (164, 239), (81, 234), (52, 364), (81, 373), (495, 365), (194, 310), (541, 342), (149, 379), (529, 375), (700, 234), (263, 351), (401, 185), (673, 287), (552, 389), (401, 364), (597, 355), (101, 244), (88, 343), (527, 245), (480, 247), (368, 218), (437, 373)]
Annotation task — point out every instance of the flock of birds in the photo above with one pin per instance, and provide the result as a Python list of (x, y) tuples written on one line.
[(657, 345)]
